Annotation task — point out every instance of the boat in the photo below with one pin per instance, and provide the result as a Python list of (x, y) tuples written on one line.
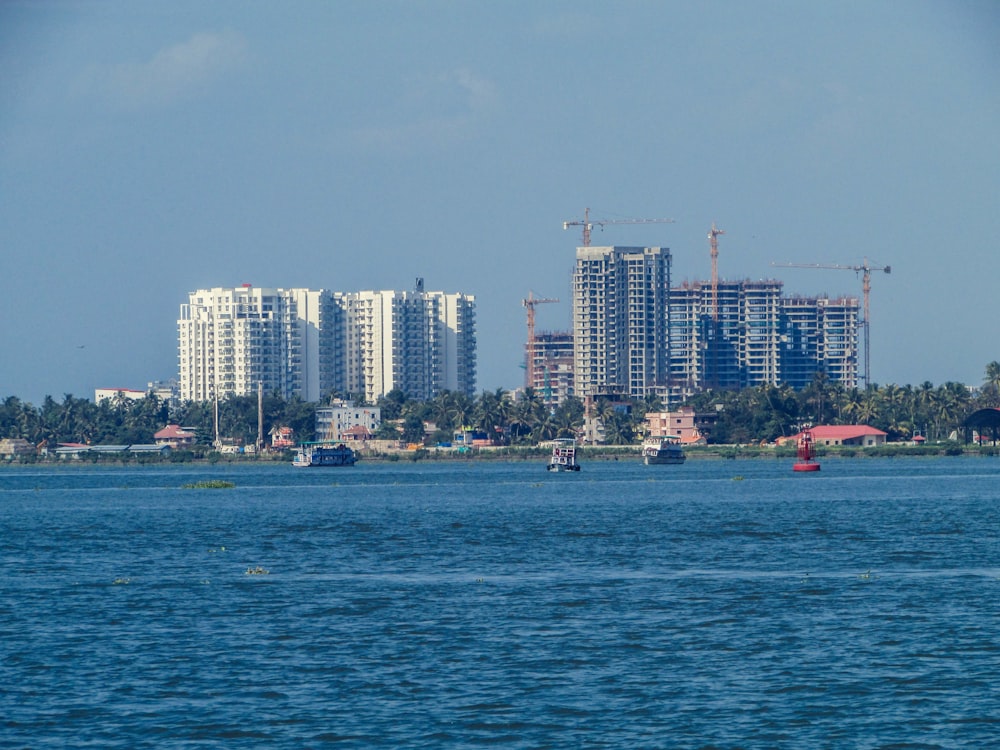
[(309, 455), (663, 450), (805, 461), (563, 456)]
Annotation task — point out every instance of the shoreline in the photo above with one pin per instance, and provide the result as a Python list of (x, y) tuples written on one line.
[(516, 454)]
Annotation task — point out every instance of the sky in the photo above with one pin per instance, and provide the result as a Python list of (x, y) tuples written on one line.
[(151, 149)]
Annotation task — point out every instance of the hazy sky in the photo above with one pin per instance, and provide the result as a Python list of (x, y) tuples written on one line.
[(148, 149)]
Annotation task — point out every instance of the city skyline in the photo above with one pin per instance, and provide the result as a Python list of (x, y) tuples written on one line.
[(150, 149)]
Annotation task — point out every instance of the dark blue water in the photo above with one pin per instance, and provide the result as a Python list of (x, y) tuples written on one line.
[(716, 604)]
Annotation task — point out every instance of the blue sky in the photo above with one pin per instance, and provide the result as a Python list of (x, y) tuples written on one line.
[(149, 149)]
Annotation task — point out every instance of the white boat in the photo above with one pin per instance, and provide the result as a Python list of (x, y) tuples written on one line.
[(563, 456), (665, 449), (323, 455)]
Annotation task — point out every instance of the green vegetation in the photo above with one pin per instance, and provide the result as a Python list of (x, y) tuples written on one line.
[(740, 417), (210, 484)]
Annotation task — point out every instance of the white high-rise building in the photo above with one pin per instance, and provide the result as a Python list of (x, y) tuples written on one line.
[(232, 339), (421, 343), (620, 320), (305, 343)]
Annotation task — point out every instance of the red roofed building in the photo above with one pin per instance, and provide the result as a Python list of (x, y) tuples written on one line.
[(844, 434), (358, 432), (175, 436)]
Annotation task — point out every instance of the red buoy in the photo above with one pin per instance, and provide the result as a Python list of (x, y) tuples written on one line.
[(805, 452)]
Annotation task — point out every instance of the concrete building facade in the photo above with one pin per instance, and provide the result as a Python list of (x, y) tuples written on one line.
[(340, 420), (754, 335), (421, 343), (553, 370), (620, 320), (308, 343), (231, 339)]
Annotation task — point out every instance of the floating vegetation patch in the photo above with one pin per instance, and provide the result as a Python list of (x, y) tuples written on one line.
[(121, 581), (209, 484)]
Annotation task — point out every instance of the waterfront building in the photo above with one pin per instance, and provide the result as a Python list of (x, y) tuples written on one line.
[(175, 436), (342, 420), (231, 340), (754, 335), (417, 342), (307, 344), (820, 334), (620, 321), (681, 423)]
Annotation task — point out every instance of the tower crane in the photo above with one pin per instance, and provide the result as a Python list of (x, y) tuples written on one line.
[(530, 302), (866, 287), (587, 224), (713, 240)]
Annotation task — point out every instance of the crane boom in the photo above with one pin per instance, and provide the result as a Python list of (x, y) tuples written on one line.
[(589, 224), (865, 269)]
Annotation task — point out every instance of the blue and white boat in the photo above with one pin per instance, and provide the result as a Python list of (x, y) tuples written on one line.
[(563, 455), (312, 454), (663, 450)]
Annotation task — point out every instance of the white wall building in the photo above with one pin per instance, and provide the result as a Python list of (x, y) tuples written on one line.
[(231, 339), (421, 343), (115, 394), (305, 343), (335, 421)]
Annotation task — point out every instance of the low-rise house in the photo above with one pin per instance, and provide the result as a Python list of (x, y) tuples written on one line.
[(175, 436), (282, 437), (679, 423), (11, 447), (77, 450), (150, 449), (358, 433), (333, 422), (117, 394), (842, 434)]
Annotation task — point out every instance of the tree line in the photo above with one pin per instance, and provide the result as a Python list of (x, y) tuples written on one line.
[(751, 415)]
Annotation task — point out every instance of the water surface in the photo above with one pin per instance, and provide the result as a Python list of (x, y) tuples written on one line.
[(714, 604)]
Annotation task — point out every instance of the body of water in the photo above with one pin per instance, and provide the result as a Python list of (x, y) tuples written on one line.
[(727, 604)]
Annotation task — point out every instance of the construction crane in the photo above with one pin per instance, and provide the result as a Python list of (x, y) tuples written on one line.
[(587, 224), (713, 240), (530, 303), (866, 287)]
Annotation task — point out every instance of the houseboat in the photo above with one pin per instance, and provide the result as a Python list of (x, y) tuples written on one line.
[(663, 450), (309, 455)]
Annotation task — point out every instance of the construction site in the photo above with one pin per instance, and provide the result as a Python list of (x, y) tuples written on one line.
[(636, 335)]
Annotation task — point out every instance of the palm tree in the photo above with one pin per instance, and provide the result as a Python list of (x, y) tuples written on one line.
[(993, 374), (527, 413), (990, 396), (489, 414), (869, 408), (391, 404), (567, 420)]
